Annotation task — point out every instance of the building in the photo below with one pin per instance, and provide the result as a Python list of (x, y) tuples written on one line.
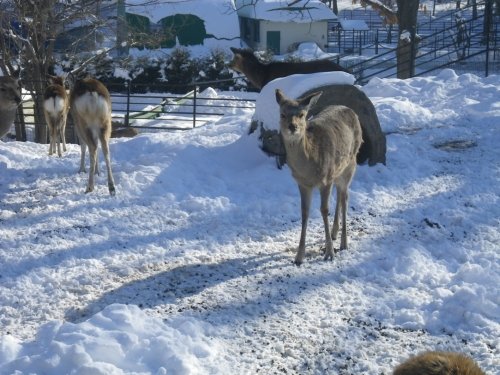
[(273, 25)]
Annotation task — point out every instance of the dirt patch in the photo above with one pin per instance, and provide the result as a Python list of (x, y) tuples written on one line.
[(456, 145)]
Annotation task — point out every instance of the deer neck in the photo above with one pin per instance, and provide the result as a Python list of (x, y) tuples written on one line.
[(255, 71), (301, 149)]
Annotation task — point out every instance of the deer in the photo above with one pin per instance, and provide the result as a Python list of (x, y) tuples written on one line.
[(55, 110), (321, 152), (90, 104), (10, 98), (258, 73), (438, 363)]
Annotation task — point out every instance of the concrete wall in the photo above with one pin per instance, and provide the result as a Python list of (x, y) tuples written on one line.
[(294, 33)]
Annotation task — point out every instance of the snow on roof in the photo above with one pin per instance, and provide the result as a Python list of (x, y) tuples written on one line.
[(219, 15), (279, 11), (358, 25)]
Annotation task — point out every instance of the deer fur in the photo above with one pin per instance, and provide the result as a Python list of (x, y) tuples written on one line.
[(55, 109), (321, 153), (10, 98), (258, 73), (438, 363), (91, 111)]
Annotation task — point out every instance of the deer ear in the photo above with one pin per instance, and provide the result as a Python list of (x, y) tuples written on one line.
[(279, 96), (311, 99), (236, 51)]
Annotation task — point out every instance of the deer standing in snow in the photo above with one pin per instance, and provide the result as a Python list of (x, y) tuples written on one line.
[(321, 152), (10, 98), (55, 109), (91, 111)]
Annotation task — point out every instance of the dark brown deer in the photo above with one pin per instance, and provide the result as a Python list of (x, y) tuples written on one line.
[(10, 98), (91, 111), (321, 153), (55, 109), (438, 363), (258, 73)]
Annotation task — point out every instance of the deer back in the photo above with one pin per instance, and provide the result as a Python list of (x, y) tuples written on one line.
[(56, 99), (90, 101), (259, 74), (439, 363)]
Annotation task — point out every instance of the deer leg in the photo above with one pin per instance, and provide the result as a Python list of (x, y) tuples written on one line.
[(63, 132), (305, 204), (92, 143), (52, 148), (57, 137), (343, 239), (325, 193), (105, 151), (93, 157), (83, 148), (335, 226)]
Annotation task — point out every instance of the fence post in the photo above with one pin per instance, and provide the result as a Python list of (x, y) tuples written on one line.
[(127, 113), (376, 42), (487, 13), (194, 106)]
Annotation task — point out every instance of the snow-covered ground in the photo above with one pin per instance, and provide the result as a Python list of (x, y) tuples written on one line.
[(188, 270)]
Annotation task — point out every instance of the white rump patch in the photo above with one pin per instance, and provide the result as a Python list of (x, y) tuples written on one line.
[(54, 105)]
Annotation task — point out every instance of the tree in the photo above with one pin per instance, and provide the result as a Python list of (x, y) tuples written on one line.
[(31, 29), (408, 39), (406, 17)]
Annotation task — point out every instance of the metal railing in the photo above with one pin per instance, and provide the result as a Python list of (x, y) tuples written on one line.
[(150, 111), (440, 45)]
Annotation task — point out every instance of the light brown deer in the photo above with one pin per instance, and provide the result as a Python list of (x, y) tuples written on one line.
[(91, 111), (321, 152), (438, 363), (55, 109), (10, 98)]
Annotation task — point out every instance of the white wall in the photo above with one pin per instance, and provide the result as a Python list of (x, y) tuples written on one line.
[(295, 32)]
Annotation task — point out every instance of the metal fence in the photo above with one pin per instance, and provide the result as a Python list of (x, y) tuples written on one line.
[(154, 111), (456, 39)]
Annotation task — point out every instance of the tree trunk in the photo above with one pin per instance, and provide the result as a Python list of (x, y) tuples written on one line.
[(407, 42), (335, 7)]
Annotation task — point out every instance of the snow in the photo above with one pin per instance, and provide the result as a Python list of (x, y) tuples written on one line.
[(358, 25), (189, 268), (273, 10)]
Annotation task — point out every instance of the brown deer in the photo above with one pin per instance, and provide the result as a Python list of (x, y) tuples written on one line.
[(10, 98), (439, 363), (55, 109), (258, 73), (321, 152), (91, 111)]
